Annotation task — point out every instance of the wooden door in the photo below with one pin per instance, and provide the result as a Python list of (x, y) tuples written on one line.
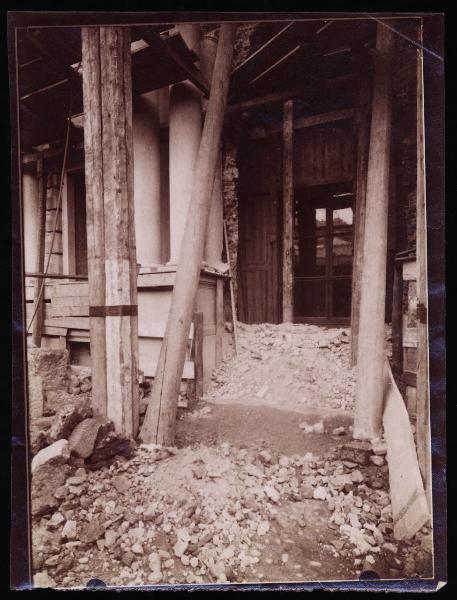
[(259, 250)]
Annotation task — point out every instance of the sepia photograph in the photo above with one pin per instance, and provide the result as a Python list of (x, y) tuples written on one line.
[(228, 229)]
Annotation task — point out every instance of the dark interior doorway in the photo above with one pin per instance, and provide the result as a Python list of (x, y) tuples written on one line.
[(323, 254)]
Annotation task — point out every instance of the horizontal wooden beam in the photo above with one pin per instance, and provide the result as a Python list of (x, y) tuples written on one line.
[(55, 276), (282, 96), (32, 157), (303, 122)]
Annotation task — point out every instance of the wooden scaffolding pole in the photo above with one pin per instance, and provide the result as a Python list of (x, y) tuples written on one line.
[(160, 419), (362, 133), (37, 330), (113, 308), (370, 346), (288, 213), (422, 386)]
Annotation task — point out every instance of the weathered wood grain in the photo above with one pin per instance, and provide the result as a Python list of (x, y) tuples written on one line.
[(370, 347)]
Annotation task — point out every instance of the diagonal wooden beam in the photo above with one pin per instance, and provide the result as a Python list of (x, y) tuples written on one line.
[(193, 74)]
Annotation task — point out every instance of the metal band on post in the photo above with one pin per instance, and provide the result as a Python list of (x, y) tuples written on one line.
[(122, 310)]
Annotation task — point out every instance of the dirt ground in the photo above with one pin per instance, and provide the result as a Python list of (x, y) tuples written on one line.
[(257, 489)]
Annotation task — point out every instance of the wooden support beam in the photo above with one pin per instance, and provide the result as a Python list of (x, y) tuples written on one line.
[(37, 330), (371, 334), (55, 276), (287, 213), (198, 354), (112, 265), (94, 210), (423, 390), (194, 75), (362, 135), (160, 419), (281, 96)]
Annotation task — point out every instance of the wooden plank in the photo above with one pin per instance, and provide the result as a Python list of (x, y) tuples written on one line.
[(68, 311), (160, 419), (198, 354), (72, 289), (370, 344), (93, 151), (29, 292), (78, 335), (59, 331), (68, 322), (69, 301), (38, 312), (52, 276), (305, 122), (410, 510), (287, 213), (219, 319), (423, 391), (157, 280)]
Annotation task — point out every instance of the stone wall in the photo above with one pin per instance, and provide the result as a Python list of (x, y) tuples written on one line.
[(230, 172), (404, 137)]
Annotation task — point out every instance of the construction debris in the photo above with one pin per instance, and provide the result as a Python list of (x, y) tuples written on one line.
[(210, 514), (288, 365)]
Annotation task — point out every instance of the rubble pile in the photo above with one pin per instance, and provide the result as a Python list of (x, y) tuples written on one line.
[(212, 514), (289, 364)]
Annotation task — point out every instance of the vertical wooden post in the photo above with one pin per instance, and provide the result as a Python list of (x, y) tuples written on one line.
[(423, 392), (160, 419), (371, 334), (198, 354), (362, 134), (37, 330), (93, 157), (288, 213), (219, 319), (111, 236)]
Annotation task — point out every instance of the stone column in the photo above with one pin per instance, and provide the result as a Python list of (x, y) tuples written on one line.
[(30, 216), (214, 236), (146, 185), (185, 134)]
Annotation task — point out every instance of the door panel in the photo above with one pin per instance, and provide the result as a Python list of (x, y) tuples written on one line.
[(258, 274)]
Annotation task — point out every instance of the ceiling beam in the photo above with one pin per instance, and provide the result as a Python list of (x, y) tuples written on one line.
[(303, 122), (281, 96)]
